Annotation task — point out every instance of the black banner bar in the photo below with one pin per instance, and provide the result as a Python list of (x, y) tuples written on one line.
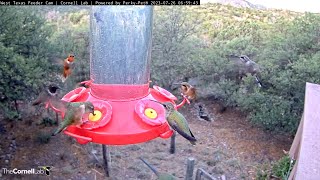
[(26, 3), (99, 2)]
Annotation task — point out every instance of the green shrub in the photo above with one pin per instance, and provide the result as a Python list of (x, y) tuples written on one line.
[(283, 167), (48, 121), (43, 138)]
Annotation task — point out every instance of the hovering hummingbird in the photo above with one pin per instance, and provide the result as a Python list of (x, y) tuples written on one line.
[(74, 113), (67, 66), (161, 176), (46, 94), (178, 122), (188, 90)]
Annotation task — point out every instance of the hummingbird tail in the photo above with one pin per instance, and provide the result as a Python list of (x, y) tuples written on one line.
[(189, 137), (63, 78), (57, 131)]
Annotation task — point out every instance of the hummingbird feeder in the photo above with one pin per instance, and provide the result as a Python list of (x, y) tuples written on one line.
[(120, 53)]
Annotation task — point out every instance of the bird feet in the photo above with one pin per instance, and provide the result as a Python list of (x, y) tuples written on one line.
[(87, 83), (186, 98)]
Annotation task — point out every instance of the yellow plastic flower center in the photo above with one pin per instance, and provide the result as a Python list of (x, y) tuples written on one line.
[(97, 115), (150, 113)]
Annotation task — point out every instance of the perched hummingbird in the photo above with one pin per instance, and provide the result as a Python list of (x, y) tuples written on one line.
[(97, 16), (46, 94), (67, 66), (161, 176), (251, 68), (74, 113), (178, 122), (188, 90)]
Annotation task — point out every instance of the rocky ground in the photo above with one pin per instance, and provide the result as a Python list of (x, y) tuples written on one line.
[(227, 145)]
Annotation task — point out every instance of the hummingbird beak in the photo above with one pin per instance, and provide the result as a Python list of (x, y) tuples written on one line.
[(58, 87), (177, 83), (156, 101)]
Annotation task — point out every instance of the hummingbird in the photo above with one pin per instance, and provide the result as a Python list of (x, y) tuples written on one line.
[(46, 94), (74, 113), (97, 16), (178, 122), (161, 176), (252, 68), (67, 66), (188, 90)]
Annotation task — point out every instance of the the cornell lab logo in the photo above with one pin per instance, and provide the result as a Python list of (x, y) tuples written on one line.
[(46, 169), (41, 170)]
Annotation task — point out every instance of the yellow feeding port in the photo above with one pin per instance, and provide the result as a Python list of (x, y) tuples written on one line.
[(150, 113), (96, 117)]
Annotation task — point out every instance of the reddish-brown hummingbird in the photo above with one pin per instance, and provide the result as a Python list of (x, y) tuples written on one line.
[(67, 66), (188, 90)]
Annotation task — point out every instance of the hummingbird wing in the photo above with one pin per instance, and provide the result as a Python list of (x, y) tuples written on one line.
[(72, 116), (191, 92), (68, 118), (58, 104), (178, 122), (184, 134), (65, 66), (78, 109), (43, 97)]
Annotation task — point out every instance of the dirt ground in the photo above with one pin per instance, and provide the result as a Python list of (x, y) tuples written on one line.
[(228, 145)]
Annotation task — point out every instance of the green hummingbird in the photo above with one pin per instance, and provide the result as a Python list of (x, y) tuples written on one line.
[(74, 113), (178, 122), (161, 176), (46, 94)]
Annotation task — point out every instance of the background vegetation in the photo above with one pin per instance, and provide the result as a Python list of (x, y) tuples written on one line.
[(189, 43)]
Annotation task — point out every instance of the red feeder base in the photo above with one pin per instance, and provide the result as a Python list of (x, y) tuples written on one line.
[(125, 114)]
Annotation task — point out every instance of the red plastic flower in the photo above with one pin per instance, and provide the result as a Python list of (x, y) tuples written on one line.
[(165, 93), (103, 111), (150, 112), (73, 95)]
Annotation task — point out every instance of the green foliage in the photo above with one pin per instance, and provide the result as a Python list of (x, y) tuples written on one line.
[(262, 175), (283, 167), (23, 54), (48, 122), (71, 35), (289, 60), (43, 138), (284, 44), (189, 42), (280, 169), (33, 43), (172, 42)]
